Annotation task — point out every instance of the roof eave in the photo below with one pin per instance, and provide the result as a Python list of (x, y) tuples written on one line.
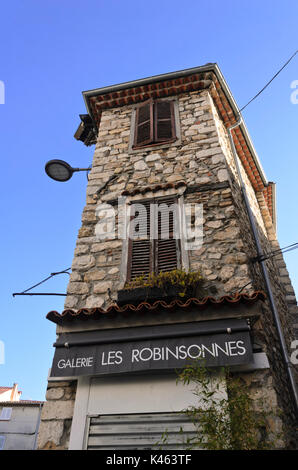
[(243, 127), (144, 81), (212, 67)]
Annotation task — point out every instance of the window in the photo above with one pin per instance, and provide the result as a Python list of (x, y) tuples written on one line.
[(154, 243), (154, 123), (5, 414), (2, 442)]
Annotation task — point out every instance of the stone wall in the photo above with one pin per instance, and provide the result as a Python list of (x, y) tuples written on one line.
[(201, 157), (280, 266), (198, 158), (282, 288), (265, 401), (57, 416)]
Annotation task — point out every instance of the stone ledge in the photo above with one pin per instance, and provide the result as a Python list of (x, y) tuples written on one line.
[(60, 381), (260, 362)]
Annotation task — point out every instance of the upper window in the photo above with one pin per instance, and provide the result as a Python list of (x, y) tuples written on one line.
[(154, 123)]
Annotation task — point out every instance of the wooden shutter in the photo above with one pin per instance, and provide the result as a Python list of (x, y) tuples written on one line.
[(167, 250), (150, 251), (164, 121), (144, 124), (140, 247)]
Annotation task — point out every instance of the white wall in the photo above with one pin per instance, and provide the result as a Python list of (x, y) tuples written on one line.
[(5, 396), (129, 394), (20, 430)]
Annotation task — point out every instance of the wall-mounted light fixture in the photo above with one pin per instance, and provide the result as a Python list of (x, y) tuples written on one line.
[(59, 170)]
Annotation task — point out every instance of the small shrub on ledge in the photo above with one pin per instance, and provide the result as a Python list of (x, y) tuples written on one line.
[(169, 284)]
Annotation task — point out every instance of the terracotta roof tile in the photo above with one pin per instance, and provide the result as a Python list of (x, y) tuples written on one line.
[(21, 403), (5, 389), (158, 306)]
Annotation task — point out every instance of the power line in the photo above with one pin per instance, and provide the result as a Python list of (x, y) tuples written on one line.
[(267, 84), (280, 251)]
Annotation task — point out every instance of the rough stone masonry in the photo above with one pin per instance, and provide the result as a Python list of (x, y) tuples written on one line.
[(200, 158)]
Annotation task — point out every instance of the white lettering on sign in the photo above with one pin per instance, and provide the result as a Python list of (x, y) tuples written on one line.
[(125, 357), (111, 357), (194, 351), (74, 363), (241, 348)]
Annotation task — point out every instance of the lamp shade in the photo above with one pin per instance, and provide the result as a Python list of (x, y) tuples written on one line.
[(59, 170)]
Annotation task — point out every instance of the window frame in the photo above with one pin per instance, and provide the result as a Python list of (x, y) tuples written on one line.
[(2, 441), (156, 145), (5, 412), (153, 243)]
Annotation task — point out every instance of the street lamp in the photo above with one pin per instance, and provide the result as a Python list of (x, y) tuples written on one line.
[(59, 170)]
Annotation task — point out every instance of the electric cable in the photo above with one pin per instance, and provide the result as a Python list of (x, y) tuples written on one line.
[(280, 251), (270, 81)]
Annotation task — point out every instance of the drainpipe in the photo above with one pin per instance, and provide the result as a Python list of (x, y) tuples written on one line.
[(260, 254)]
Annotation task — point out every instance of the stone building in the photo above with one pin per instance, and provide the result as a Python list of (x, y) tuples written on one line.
[(169, 140)]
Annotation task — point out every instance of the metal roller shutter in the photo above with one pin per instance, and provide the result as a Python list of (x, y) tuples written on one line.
[(140, 431)]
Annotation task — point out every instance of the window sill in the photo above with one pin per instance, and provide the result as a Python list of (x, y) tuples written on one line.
[(151, 147), (147, 294)]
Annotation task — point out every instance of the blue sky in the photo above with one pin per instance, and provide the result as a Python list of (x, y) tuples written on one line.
[(53, 50)]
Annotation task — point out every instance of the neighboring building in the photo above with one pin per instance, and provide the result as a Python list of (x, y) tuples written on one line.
[(19, 423), (10, 393), (165, 139)]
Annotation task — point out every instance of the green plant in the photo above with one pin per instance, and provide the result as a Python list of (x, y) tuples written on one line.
[(186, 282), (226, 417)]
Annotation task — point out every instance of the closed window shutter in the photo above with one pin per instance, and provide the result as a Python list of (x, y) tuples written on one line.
[(167, 246), (140, 258), (164, 121), (154, 247), (144, 124), (140, 245)]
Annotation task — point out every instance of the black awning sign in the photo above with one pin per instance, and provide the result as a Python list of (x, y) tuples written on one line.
[(149, 355)]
